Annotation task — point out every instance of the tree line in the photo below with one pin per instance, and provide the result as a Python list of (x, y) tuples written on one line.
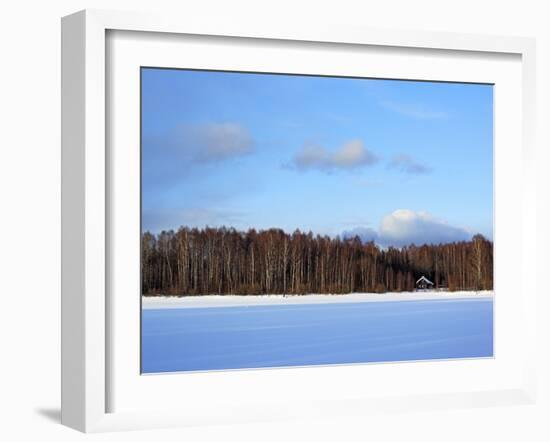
[(193, 261)]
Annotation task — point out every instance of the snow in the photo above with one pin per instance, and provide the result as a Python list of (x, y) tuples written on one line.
[(423, 278), (163, 302), (273, 331)]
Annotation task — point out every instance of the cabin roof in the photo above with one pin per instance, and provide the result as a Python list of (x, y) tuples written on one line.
[(423, 278)]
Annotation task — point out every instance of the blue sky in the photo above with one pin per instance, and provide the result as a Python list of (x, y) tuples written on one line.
[(392, 161)]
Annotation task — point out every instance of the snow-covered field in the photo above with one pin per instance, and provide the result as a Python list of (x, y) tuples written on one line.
[(272, 331), (161, 302)]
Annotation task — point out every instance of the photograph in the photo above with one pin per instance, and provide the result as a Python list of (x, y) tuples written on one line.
[(292, 220)]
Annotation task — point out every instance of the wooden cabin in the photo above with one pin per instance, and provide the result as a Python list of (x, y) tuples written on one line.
[(424, 283)]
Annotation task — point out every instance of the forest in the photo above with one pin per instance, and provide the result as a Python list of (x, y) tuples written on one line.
[(207, 261)]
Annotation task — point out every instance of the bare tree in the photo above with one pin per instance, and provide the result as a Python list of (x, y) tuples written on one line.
[(226, 261)]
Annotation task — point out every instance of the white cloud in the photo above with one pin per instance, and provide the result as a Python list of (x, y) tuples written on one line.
[(417, 111), (215, 142), (170, 158), (351, 155), (407, 164), (404, 227)]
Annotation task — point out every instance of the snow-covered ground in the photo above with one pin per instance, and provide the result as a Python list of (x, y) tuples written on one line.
[(272, 331), (160, 302)]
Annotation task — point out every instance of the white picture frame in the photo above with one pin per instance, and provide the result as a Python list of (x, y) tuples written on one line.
[(86, 205)]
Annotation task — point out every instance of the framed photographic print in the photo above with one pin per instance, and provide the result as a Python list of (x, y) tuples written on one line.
[(262, 224)]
